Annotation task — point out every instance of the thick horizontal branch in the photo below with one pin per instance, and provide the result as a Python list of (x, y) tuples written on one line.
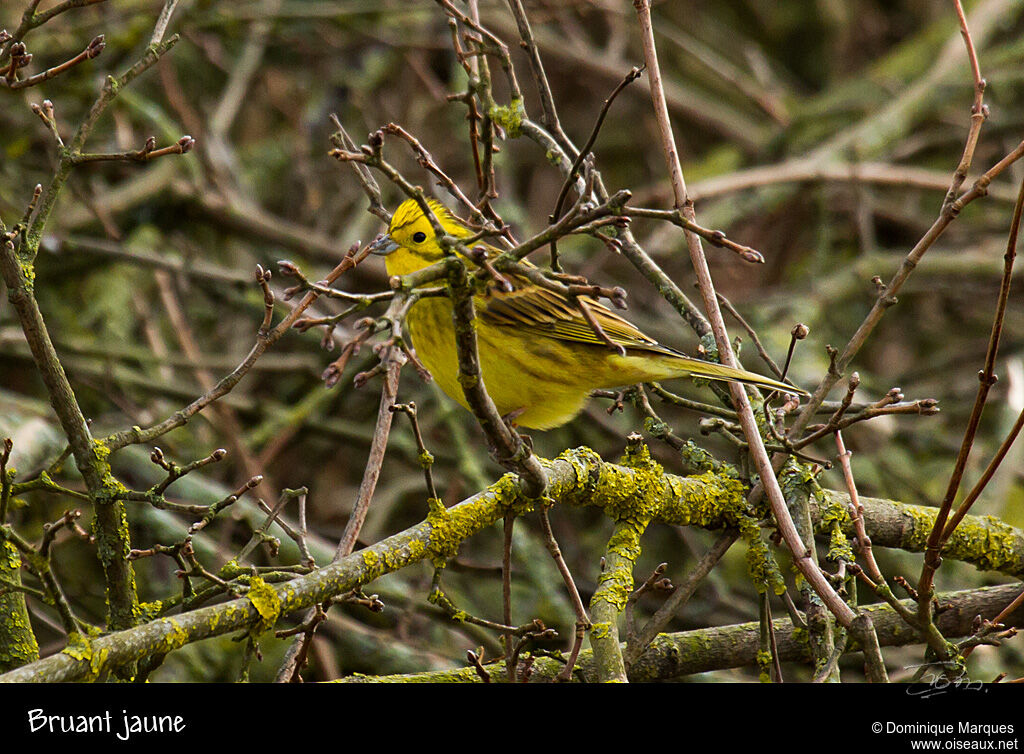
[(983, 541), (577, 477), (804, 171), (688, 652)]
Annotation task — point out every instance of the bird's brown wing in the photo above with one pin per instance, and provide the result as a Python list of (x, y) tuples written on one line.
[(554, 315), (550, 314)]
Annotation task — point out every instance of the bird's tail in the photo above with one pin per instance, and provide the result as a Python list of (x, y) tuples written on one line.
[(711, 371)]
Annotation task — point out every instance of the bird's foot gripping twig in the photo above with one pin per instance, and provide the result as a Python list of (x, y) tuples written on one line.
[(509, 419), (511, 416), (510, 422)]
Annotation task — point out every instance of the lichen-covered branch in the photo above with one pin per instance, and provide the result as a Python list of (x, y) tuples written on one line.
[(983, 541), (615, 583), (676, 655), (18, 644), (90, 456), (578, 477), (613, 589)]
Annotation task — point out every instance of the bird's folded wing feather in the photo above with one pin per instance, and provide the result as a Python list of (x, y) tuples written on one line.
[(553, 315)]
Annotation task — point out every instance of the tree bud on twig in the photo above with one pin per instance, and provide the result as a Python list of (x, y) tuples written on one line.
[(95, 47)]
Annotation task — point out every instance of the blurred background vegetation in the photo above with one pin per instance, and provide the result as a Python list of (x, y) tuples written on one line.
[(821, 133)]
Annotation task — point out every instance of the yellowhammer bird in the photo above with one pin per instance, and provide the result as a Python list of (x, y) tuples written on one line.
[(539, 357)]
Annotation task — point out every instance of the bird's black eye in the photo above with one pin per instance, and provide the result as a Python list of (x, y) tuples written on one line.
[(419, 236)]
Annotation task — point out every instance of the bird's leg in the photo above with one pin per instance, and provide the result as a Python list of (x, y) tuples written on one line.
[(510, 422), (511, 416)]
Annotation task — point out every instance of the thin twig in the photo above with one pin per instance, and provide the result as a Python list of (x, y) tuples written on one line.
[(979, 110), (425, 457), (718, 238), (753, 336), (887, 296), (547, 100), (582, 620), (986, 378), (682, 594), (570, 179), (857, 512), (770, 483), (162, 21), (227, 384), (93, 50), (394, 360), (508, 528)]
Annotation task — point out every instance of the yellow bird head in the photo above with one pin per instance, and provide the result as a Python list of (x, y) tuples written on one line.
[(410, 243)]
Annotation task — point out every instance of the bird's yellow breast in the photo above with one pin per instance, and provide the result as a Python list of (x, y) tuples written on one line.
[(542, 390), (534, 376)]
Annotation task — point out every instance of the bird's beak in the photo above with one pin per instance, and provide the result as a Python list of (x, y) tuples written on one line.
[(383, 245)]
